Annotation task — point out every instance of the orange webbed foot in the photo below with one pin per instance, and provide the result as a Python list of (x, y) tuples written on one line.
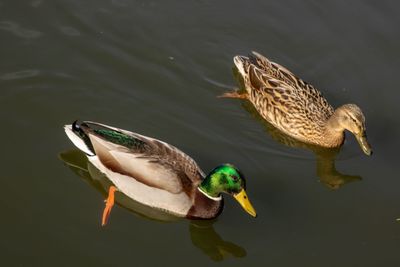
[(109, 204)]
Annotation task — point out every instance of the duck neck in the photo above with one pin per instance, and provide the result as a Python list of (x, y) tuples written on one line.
[(209, 187), (334, 132)]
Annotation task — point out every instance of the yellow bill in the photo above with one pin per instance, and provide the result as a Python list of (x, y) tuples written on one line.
[(244, 201)]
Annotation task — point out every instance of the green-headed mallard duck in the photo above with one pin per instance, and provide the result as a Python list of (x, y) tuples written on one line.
[(296, 107), (157, 174)]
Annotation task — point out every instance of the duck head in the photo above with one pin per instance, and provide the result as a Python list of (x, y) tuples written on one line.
[(226, 178), (351, 118)]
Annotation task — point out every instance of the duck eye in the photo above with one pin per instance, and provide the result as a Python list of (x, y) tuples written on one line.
[(354, 120), (235, 178)]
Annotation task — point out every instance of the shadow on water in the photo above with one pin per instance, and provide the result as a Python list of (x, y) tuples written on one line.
[(325, 157), (202, 233)]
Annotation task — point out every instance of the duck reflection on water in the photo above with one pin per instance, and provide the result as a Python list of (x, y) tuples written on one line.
[(202, 233)]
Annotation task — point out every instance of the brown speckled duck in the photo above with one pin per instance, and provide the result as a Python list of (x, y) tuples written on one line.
[(296, 107)]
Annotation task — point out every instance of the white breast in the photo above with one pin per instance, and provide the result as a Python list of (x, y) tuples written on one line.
[(177, 204)]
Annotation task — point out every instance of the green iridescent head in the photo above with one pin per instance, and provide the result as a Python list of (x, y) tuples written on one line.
[(226, 178)]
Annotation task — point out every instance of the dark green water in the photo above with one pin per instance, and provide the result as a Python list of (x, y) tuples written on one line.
[(156, 67)]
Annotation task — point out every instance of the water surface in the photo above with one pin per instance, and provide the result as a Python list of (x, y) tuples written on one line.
[(156, 67)]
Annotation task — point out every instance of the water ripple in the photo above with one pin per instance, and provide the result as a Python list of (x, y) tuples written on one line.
[(70, 31), (18, 30), (36, 3), (20, 74)]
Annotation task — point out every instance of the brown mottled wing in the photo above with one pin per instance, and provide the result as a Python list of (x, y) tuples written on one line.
[(302, 89), (273, 70), (286, 101)]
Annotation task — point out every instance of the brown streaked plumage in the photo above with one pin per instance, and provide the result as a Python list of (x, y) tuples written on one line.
[(296, 107)]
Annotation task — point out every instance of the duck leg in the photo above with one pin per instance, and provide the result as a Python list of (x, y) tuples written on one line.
[(234, 94), (109, 204)]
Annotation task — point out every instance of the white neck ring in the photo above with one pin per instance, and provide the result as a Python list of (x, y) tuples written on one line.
[(210, 197)]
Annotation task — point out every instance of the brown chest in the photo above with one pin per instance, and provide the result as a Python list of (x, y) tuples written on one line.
[(204, 207)]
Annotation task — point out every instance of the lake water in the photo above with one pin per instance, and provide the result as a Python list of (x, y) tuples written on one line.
[(156, 67)]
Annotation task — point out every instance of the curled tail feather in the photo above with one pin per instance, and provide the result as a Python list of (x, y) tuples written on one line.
[(80, 139)]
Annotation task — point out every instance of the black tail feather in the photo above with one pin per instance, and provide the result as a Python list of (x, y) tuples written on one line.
[(79, 131)]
